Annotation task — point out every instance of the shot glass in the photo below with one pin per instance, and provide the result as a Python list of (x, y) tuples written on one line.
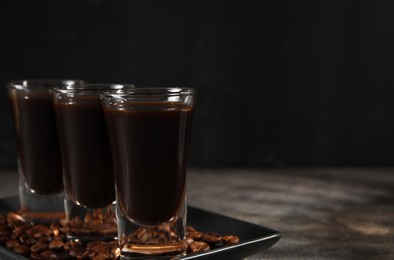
[(149, 132), (39, 161), (87, 161)]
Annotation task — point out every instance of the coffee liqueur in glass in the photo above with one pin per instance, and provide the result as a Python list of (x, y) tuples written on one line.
[(150, 134), (39, 160), (87, 161)]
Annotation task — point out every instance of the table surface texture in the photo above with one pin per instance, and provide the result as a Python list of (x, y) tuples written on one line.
[(322, 213)]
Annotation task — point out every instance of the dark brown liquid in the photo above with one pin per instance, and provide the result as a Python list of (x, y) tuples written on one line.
[(150, 143), (88, 171), (38, 146)]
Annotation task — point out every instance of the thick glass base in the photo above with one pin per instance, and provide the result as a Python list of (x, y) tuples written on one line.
[(165, 241), (90, 224), (38, 208)]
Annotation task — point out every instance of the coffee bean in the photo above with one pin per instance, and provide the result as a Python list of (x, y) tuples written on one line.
[(88, 218), (39, 247), (198, 246), (71, 244), (12, 243), (56, 245), (22, 250), (103, 257), (88, 254), (190, 229), (38, 231), (76, 251), (142, 234), (27, 240), (229, 239), (211, 238), (195, 235), (49, 254), (13, 217), (37, 256), (189, 240), (56, 229), (47, 241)]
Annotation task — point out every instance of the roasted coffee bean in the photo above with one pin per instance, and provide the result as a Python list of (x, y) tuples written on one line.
[(211, 238), (189, 240), (76, 251), (55, 227), (87, 254), (190, 229), (88, 218), (22, 250), (49, 254), (38, 231), (70, 245), (18, 228), (56, 245), (13, 217), (195, 235), (12, 243), (37, 256), (44, 239), (229, 239), (39, 247), (99, 247), (198, 246), (27, 240), (142, 234), (47, 241), (103, 257)]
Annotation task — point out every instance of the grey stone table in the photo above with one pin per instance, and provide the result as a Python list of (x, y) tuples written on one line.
[(321, 213)]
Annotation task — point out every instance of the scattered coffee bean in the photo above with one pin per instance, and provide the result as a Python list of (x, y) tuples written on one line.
[(37, 256), (22, 250), (27, 240), (198, 246), (71, 244), (87, 254), (195, 235), (39, 247), (229, 239), (12, 243), (48, 254), (13, 217), (76, 251), (41, 242), (56, 245), (211, 238), (38, 231), (103, 257)]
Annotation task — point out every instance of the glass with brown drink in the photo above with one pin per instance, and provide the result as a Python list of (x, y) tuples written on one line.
[(39, 160), (87, 161), (150, 132)]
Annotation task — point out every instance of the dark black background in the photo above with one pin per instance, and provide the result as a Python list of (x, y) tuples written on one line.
[(281, 83)]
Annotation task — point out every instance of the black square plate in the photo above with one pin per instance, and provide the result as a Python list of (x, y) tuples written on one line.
[(254, 238)]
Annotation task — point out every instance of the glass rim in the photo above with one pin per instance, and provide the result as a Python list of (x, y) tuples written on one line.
[(91, 87), (23, 84), (145, 91)]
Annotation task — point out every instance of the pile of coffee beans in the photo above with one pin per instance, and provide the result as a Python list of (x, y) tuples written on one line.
[(49, 241)]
